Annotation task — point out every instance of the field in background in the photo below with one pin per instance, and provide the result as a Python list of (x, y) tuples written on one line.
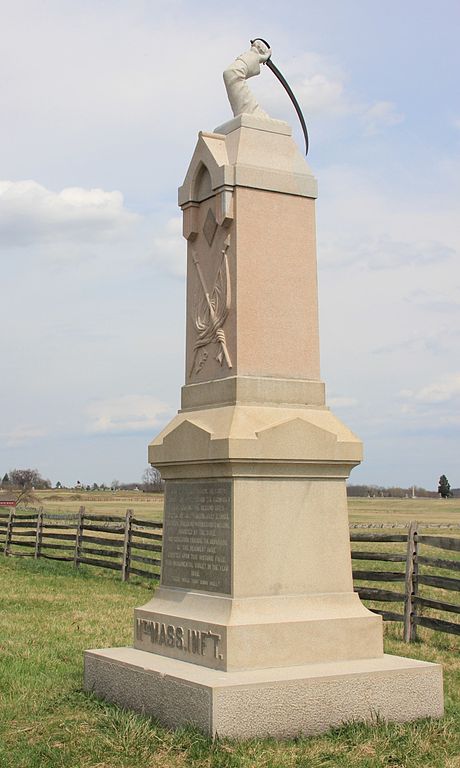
[(150, 506), (147, 506), (378, 510)]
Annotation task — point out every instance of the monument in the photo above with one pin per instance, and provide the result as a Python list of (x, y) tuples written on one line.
[(255, 628)]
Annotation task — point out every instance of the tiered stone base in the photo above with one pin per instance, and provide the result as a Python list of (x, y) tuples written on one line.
[(281, 702)]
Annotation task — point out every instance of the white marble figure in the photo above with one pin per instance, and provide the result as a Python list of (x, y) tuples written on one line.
[(246, 65)]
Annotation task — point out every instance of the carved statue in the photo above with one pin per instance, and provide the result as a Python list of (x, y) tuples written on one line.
[(246, 65)]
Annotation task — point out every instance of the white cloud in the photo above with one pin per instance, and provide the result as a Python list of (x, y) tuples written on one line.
[(440, 392), (422, 340), (23, 434), (364, 220), (381, 115), (126, 414), (170, 249), (318, 84), (446, 299), (342, 402), (321, 88), (32, 214), (382, 252)]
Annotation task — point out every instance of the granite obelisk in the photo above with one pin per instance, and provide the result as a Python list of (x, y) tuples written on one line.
[(255, 628)]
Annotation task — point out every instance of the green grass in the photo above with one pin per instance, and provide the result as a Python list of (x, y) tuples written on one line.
[(51, 613)]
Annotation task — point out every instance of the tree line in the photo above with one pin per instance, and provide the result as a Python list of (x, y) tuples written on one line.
[(27, 479), (30, 479), (397, 492)]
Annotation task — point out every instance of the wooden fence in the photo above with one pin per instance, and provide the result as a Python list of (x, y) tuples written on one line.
[(123, 544), (132, 546), (423, 568)]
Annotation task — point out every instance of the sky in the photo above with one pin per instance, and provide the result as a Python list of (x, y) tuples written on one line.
[(101, 103)]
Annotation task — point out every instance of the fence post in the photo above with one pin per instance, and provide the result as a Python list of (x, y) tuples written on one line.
[(410, 629), (9, 532), (39, 533), (78, 536), (127, 545)]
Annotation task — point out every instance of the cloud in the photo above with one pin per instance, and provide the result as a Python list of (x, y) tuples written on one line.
[(367, 222), (445, 300), (440, 392), (22, 435), (438, 341), (381, 115), (321, 87), (32, 214), (126, 414), (382, 252), (342, 402), (318, 84), (169, 248)]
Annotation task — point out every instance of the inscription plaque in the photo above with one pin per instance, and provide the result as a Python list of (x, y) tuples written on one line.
[(197, 535), (190, 641)]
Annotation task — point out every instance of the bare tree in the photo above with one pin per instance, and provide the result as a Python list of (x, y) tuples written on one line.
[(27, 478), (151, 480)]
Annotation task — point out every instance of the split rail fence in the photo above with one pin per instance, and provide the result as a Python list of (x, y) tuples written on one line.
[(121, 543), (133, 547), (427, 580)]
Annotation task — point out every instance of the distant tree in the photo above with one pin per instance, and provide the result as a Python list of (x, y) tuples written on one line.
[(444, 487), (357, 490), (6, 479), (151, 480), (394, 491), (58, 484), (28, 478), (115, 485), (95, 487)]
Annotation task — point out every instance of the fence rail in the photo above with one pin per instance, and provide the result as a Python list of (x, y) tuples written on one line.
[(113, 542), (133, 547), (417, 574)]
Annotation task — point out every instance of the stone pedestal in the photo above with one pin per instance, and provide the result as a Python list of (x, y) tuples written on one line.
[(255, 628)]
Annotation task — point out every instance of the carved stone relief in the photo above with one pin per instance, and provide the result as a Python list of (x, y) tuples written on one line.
[(211, 305)]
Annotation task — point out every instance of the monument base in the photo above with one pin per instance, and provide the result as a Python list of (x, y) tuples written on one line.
[(281, 702)]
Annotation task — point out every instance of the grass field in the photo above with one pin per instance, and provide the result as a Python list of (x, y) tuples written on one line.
[(378, 510), (52, 612), (150, 506)]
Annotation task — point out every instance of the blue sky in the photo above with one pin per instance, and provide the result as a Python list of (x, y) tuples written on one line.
[(101, 104)]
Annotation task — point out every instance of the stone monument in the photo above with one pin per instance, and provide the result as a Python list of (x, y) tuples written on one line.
[(255, 628)]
